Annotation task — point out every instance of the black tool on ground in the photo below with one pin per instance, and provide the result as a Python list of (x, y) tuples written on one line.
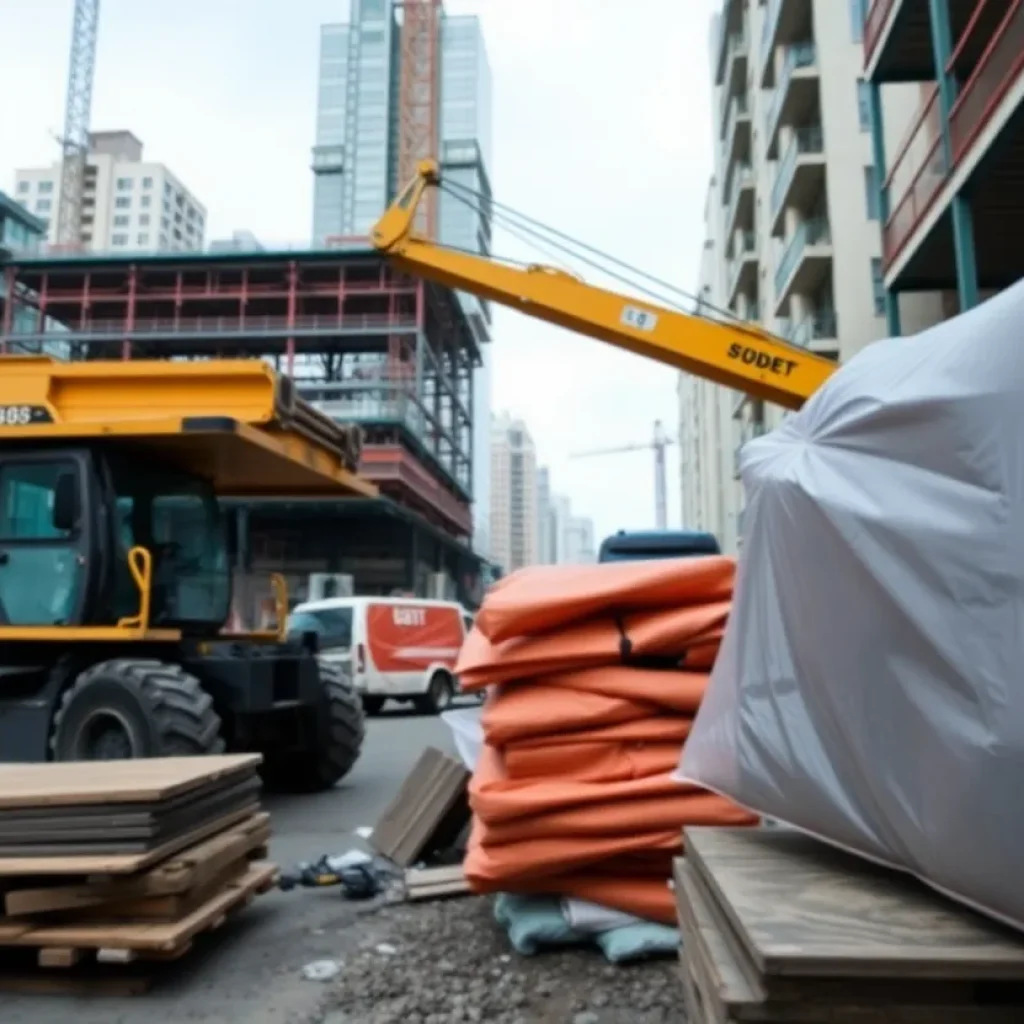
[(358, 881)]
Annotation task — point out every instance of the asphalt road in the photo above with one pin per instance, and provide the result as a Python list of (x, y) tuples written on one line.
[(250, 970)]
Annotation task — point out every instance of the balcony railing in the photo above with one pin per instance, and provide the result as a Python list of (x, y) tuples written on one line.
[(745, 249), (768, 27), (810, 232), (743, 177), (738, 107), (921, 169), (799, 55), (819, 326), (809, 138), (735, 46), (874, 24)]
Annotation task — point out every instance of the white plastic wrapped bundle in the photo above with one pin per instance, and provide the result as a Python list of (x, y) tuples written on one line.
[(870, 686)]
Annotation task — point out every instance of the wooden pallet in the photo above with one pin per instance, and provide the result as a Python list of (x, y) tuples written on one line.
[(181, 873), (779, 928), (86, 950)]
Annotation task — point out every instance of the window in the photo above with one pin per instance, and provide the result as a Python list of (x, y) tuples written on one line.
[(878, 285), (45, 188), (124, 184), (146, 201), (122, 202), (40, 576), (119, 239), (42, 205), (24, 186), (167, 188), (147, 182), (871, 195), (122, 221), (143, 220), (332, 626), (864, 104), (858, 15), (143, 238)]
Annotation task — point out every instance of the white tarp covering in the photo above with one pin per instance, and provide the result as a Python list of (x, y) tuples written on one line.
[(870, 686)]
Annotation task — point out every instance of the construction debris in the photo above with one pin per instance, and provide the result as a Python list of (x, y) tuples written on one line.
[(111, 867), (775, 922)]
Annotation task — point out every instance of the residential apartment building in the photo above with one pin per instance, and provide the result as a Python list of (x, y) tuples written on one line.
[(952, 202), (792, 220), (513, 506), (355, 159), (129, 204), (580, 548)]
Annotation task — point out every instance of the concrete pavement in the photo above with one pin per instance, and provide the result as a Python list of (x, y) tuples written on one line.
[(250, 970)]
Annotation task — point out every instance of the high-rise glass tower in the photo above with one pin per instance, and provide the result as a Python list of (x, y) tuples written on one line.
[(355, 159)]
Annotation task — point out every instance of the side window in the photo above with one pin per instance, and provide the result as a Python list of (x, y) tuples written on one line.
[(27, 492), (337, 626), (40, 570)]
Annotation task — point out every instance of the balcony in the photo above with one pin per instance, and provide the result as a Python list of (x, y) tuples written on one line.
[(739, 200), (800, 177), (738, 132), (817, 331), (805, 261), (796, 96), (921, 171), (731, 25), (735, 79), (785, 22), (743, 266)]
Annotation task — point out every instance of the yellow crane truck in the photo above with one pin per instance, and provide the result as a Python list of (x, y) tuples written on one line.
[(735, 354), (115, 574)]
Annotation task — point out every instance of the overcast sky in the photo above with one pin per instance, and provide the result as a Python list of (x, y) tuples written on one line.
[(602, 129)]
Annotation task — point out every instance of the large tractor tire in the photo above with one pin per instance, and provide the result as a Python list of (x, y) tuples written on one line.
[(129, 708), (341, 729)]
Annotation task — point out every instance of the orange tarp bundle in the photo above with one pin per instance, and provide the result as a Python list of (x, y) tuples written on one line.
[(595, 675)]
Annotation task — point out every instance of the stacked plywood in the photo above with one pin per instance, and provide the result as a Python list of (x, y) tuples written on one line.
[(124, 861), (778, 927)]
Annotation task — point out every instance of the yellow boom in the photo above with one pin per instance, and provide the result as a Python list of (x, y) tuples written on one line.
[(738, 356)]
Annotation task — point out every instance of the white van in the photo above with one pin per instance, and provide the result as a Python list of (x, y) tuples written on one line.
[(397, 648)]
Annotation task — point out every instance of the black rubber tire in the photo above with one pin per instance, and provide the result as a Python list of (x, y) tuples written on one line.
[(160, 708), (373, 705), (438, 698), (339, 743)]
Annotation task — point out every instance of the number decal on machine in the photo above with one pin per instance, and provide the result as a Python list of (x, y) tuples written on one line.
[(641, 319), (23, 415)]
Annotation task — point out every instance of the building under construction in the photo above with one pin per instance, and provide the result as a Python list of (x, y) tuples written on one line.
[(367, 345)]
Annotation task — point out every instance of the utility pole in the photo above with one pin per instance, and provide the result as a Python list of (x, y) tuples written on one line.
[(77, 111), (658, 444)]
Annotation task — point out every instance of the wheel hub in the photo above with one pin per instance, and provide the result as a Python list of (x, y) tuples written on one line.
[(105, 736)]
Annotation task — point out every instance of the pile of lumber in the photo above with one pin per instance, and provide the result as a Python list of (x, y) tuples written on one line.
[(779, 927), (123, 862)]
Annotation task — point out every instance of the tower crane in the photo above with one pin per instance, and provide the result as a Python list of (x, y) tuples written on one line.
[(77, 111), (659, 442)]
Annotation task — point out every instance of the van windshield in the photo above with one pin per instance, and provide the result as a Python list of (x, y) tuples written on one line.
[(333, 626)]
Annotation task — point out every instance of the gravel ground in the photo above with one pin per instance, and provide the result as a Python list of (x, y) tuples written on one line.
[(448, 962)]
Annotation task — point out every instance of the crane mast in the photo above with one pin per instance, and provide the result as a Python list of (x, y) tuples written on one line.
[(77, 110)]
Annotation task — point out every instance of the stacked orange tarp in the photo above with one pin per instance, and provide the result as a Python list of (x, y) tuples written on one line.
[(594, 674)]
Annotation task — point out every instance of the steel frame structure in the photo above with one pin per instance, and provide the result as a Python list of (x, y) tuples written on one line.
[(367, 344)]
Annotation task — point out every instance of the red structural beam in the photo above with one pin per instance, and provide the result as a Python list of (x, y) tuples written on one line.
[(874, 25)]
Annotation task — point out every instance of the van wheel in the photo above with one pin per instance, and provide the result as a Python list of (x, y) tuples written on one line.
[(438, 697), (373, 705)]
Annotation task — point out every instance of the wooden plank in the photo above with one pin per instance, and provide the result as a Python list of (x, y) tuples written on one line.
[(802, 909), (190, 868), (429, 811), (144, 938), (64, 784), (435, 883), (118, 864), (715, 968)]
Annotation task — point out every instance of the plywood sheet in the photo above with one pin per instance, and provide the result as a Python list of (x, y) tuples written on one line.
[(63, 784), (801, 908)]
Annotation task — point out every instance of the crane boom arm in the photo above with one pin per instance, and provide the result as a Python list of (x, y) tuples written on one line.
[(736, 356)]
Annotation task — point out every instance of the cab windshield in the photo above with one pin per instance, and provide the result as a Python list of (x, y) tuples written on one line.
[(178, 519)]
